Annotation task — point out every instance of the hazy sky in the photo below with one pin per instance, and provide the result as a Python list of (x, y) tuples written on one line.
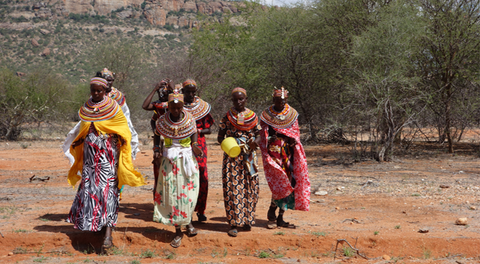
[(281, 2)]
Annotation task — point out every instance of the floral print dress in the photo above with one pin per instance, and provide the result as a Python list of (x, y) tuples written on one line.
[(177, 191)]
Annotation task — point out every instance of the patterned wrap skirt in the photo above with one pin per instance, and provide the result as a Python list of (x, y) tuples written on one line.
[(176, 193), (97, 201), (240, 188)]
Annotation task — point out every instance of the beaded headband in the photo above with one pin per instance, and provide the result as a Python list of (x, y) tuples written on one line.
[(239, 90), (189, 82), (99, 81), (282, 93), (105, 72), (175, 97)]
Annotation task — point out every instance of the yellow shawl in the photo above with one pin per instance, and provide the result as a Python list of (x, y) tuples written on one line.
[(115, 125)]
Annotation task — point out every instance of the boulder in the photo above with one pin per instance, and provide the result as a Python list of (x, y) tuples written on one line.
[(35, 43), (44, 31), (190, 6), (46, 52)]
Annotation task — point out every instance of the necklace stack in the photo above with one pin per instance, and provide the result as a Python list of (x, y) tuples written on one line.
[(98, 111), (244, 120), (280, 120), (199, 108), (118, 96), (180, 129)]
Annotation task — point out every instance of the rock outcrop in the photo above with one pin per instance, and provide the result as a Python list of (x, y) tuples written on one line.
[(181, 13)]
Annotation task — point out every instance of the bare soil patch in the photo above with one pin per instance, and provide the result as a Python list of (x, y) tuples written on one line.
[(377, 207)]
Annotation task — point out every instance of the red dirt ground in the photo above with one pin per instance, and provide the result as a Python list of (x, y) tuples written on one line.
[(379, 207)]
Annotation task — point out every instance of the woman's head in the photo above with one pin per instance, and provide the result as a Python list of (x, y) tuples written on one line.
[(280, 98), (98, 88), (109, 76), (175, 104), (189, 90), (239, 99)]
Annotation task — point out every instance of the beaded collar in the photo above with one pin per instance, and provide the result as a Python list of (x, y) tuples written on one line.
[(184, 128), (98, 111), (245, 120), (281, 120), (199, 108), (116, 95)]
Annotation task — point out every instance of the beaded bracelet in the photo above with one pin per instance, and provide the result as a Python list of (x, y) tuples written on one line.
[(156, 148)]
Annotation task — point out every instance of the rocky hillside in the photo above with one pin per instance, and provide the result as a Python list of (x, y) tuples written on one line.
[(177, 13), (62, 35)]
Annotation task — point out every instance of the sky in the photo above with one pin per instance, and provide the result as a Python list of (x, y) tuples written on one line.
[(281, 2)]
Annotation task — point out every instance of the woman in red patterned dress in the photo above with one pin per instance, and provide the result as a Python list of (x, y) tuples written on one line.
[(201, 112), (284, 160)]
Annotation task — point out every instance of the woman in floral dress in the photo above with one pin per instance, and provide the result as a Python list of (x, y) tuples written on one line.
[(240, 174), (177, 186)]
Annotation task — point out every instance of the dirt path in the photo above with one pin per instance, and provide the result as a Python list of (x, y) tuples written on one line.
[(380, 207)]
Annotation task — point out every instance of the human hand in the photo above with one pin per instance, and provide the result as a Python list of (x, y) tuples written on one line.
[(198, 152), (292, 142), (157, 157), (252, 144), (77, 143)]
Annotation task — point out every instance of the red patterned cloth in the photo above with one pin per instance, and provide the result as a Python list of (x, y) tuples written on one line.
[(204, 123), (277, 178)]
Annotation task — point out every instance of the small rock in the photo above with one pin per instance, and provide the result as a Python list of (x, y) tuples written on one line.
[(10, 253), (472, 207), (35, 43), (20, 74), (443, 186), (386, 257), (136, 214), (44, 31), (321, 193), (461, 221), (298, 260), (46, 52), (423, 230), (336, 208), (340, 188)]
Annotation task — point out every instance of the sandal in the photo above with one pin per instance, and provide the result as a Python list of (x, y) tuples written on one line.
[(281, 223), (107, 245), (107, 242), (191, 231), (176, 242), (201, 217), (272, 224), (271, 214), (232, 232), (247, 228)]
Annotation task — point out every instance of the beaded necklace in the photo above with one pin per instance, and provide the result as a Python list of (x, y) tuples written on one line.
[(98, 111), (181, 129), (245, 120), (118, 96), (198, 108), (281, 120)]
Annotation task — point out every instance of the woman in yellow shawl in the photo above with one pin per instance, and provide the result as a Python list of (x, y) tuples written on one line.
[(103, 158)]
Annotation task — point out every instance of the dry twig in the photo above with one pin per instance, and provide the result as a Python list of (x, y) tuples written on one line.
[(341, 241)]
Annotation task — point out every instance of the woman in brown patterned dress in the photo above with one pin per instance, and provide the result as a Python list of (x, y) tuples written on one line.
[(240, 174)]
